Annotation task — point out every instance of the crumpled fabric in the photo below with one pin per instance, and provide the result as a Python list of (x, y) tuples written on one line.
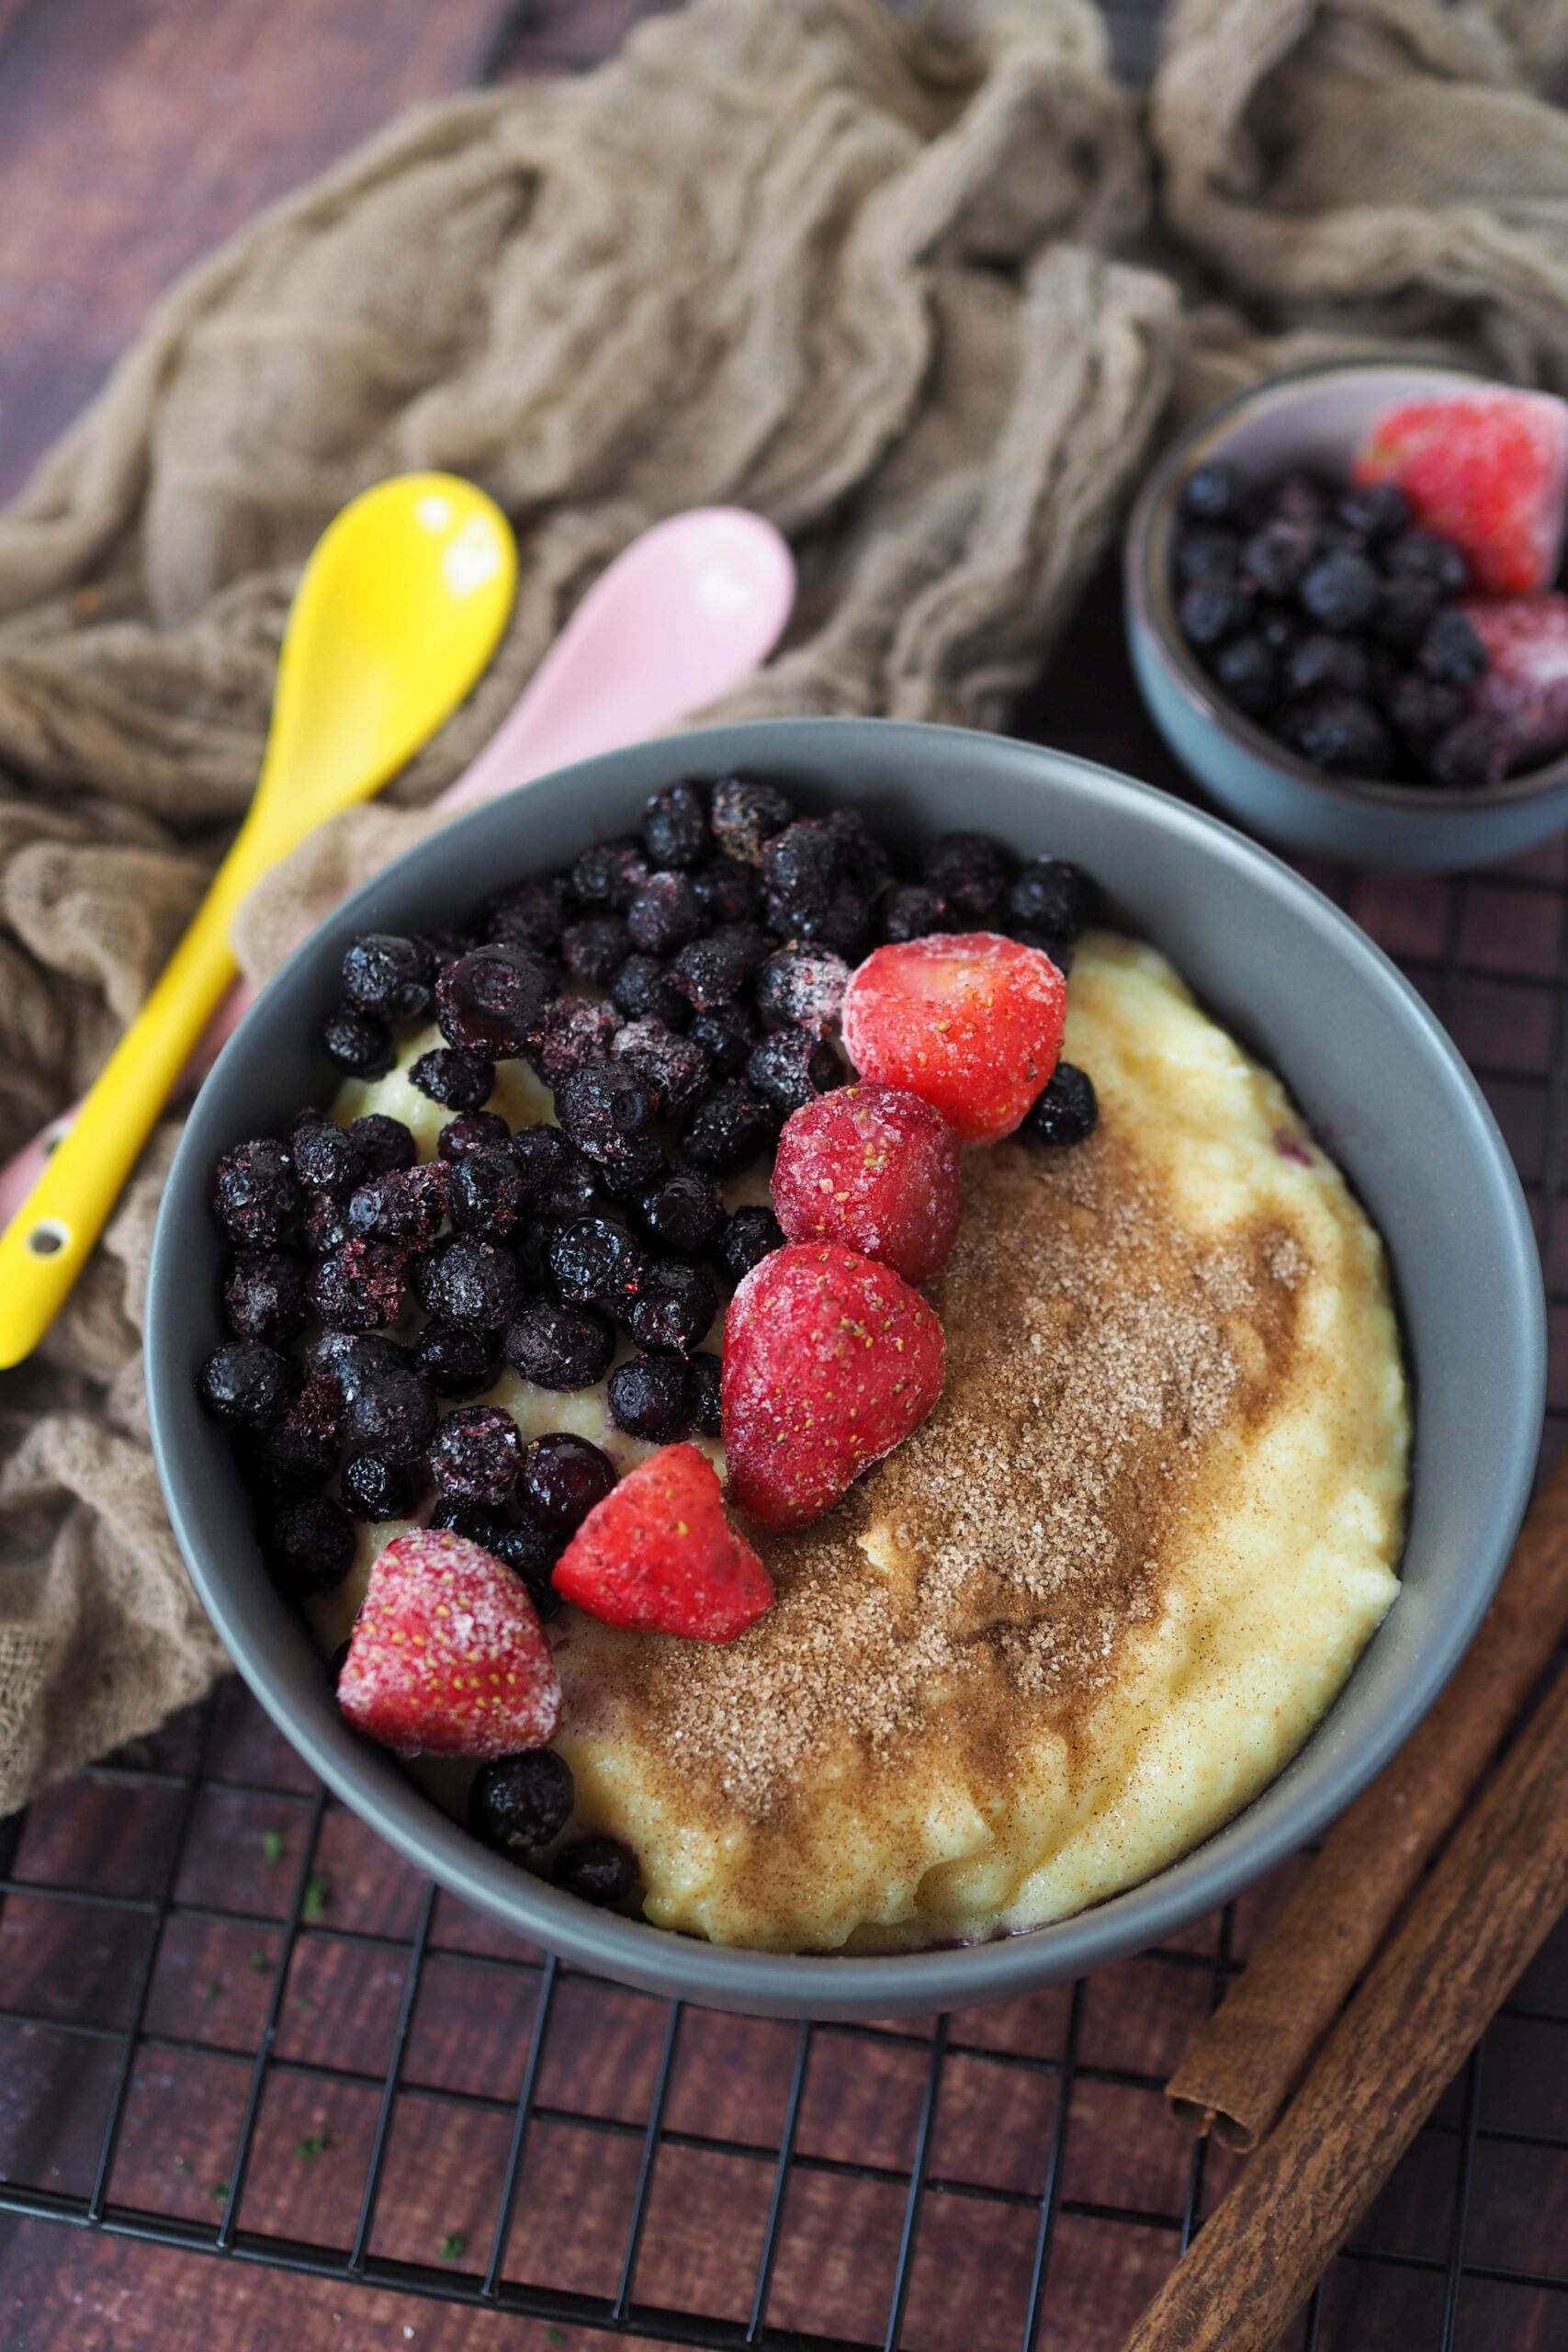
[(897, 287)]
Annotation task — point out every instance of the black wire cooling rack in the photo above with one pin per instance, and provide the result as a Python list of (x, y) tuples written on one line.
[(232, 2022)]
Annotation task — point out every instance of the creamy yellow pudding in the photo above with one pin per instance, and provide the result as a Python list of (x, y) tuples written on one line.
[(1097, 1600)]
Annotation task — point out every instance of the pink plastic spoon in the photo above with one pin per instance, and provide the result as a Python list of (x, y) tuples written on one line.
[(685, 612)]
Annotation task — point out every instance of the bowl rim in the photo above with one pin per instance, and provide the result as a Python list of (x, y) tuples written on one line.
[(1151, 606), (820, 1985)]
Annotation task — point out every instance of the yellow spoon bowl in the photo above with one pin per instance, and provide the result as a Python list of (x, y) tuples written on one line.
[(396, 615)]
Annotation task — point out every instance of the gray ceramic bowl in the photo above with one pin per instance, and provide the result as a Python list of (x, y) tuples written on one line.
[(1314, 418), (1271, 958)]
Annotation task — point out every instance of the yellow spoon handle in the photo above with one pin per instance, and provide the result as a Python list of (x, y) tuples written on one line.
[(51, 1236)]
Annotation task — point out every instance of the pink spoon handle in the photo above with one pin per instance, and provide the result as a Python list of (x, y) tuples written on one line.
[(685, 612)]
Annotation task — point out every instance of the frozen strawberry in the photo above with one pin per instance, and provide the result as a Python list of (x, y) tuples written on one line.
[(1525, 687), (968, 1021), (829, 1361), (658, 1554), (1488, 469), (448, 1656), (875, 1168)]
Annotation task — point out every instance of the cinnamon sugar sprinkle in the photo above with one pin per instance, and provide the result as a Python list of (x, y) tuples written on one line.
[(989, 1569)]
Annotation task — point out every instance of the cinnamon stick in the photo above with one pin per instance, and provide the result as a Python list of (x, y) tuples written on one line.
[(1240, 2068), (1486, 1906)]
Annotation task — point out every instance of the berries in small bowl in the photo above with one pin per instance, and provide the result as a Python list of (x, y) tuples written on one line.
[(1343, 616)]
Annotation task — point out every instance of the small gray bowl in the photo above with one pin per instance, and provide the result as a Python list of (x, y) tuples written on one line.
[(1314, 418), (1271, 958)]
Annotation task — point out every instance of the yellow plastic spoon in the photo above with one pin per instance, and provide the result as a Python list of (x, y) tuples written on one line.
[(396, 615)]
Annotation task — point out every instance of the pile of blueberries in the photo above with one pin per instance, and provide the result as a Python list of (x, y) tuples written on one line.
[(679, 993), (1328, 617)]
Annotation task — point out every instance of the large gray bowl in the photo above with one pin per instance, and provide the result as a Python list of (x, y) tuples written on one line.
[(1275, 962)]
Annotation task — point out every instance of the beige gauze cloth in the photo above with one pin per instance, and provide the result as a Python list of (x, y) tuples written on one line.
[(868, 279)]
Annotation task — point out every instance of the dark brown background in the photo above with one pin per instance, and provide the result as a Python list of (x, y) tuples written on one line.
[(133, 134)]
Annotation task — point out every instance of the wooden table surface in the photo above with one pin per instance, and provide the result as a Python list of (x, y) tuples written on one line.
[(133, 135)]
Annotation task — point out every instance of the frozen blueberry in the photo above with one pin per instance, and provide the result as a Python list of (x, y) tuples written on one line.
[(683, 1213), (257, 1198), (325, 1155), (609, 874), (531, 1551), (362, 1286), (1341, 590), (461, 1082), (1377, 510), (665, 914), (654, 1398), (1428, 556), (485, 1195), (628, 1178), (710, 971), (1298, 498), (730, 1128), (530, 914), (969, 870), (1405, 608), (561, 1347), (1050, 896), (1422, 709), (1452, 650), (643, 987), (476, 1455), (803, 866), (491, 1003), (557, 1180), (1473, 754), (375, 1488), (675, 829), (751, 1235), (406, 1206), (1342, 735), (1213, 610), (674, 1310), (246, 1384), (1279, 628), (324, 1226), (727, 892), (308, 1545), (518, 1803), (478, 1522), (727, 1035), (1276, 559), (707, 1379), (301, 1451), (469, 1281), (1248, 674), (792, 1069), (394, 1415), (746, 815), (1215, 493), (563, 1477), (381, 1145), (1205, 555), (598, 1870), (1324, 663), (352, 1358), (595, 949), (575, 1031), (470, 1131), (675, 1067), (455, 1360), (803, 988), (264, 1295), (595, 1262), (910, 911), (388, 976), (606, 1109), (1067, 1111), (361, 1046)]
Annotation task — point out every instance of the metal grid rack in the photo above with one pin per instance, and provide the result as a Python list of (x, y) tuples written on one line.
[(231, 2021)]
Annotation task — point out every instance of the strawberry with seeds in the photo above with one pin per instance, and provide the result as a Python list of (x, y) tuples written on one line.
[(658, 1555), (875, 1168), (448, 1656), (1488, 469), (829, 1361), (970, 1022)]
